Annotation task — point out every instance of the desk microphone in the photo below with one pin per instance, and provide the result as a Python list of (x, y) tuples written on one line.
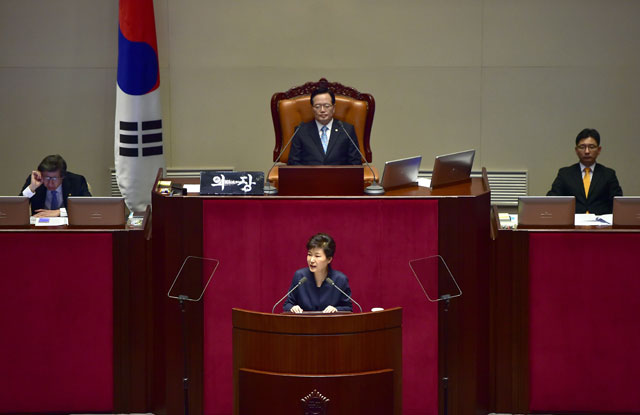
[(374, 188), (333, 284), (302, 281), (269, 189)]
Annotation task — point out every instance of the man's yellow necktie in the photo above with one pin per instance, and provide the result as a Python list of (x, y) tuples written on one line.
[(586, 180)]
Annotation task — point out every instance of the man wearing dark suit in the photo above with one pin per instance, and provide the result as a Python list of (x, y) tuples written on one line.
[(324, 141), (593, 185), (49, 187)]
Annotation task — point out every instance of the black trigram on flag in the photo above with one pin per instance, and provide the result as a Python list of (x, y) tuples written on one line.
[(136, 136)]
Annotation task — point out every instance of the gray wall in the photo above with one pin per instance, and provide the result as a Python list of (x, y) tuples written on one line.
[(514, 79)]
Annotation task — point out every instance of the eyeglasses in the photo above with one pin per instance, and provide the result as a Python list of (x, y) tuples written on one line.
[(51, 179), (583, 147), (320, 106)]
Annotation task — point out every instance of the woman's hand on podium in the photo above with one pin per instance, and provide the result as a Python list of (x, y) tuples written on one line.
[(330, 309), (296, 309)]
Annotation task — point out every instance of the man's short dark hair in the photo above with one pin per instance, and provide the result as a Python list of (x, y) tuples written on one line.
[(323, 90), (586, 133), (323, 241), (54, 162)]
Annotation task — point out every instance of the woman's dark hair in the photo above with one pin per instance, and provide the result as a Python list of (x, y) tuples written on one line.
[(52, 163), (323, 241)]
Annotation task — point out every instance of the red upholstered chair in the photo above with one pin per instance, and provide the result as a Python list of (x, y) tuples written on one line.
[(290, 108)]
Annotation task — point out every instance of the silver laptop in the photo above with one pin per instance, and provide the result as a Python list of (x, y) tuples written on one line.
[(626, 211), (96, 211), (14, 211), (546, 212), (452, 168), (401, 173)]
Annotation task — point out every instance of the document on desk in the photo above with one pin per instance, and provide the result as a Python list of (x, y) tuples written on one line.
[(192, 188), (54, 221), (508, 221), (589, 219), (424, 182)]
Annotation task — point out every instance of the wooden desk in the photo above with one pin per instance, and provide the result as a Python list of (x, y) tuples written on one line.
[(565, 332), (75, 321), (260, 242)]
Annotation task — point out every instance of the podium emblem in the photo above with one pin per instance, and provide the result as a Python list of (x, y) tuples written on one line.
[(314, 404)]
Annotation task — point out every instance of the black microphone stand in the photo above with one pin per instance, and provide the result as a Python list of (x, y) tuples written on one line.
[(444, 379), (182, 298), (270, 189), (185, 349), (445, 369), (374, 188)]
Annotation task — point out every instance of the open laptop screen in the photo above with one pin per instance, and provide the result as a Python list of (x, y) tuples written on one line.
[(402, 172), (96, 211), (546, 212), (452, 168), (14, 211), (626, 211)]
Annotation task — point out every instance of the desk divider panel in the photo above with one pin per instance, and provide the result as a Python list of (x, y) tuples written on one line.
[(56, 315), (584, 333)]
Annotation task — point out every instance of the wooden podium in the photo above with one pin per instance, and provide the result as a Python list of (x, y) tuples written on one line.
[(320, 180), (350, 362)]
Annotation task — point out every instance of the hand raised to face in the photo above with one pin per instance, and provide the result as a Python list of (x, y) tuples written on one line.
[(36, 180)]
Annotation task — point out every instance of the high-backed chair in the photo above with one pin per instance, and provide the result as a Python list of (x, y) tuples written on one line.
[(290, 108)]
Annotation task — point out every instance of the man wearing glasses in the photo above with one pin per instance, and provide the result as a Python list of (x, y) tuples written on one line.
[(593, 185), (50, 185), (324, 141)]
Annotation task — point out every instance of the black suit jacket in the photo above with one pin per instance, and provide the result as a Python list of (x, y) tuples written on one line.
[(306, 147), (72, 185), (604, 186)]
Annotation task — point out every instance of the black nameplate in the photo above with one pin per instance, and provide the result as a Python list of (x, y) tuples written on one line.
[(217, 182)]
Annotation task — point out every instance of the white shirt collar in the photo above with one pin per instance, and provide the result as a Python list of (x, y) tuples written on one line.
[(592, 167), (329, 125)]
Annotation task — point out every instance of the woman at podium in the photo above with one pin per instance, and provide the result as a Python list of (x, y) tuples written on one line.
[(316, 292)]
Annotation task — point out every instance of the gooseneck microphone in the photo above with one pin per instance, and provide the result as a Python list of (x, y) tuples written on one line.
[(302, 281), (333, 284), (374, 188), (269, 189)]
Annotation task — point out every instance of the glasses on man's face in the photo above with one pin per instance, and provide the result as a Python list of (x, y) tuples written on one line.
[(318, 107), (583, 147), (50, 179)]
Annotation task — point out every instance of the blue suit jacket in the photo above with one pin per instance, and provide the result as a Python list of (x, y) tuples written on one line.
[(306, 147), (604, 186), (312, 298), (72, 185)]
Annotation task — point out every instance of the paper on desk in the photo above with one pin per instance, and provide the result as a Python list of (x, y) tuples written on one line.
[(424, 182), (192, 188), (508, 221), (55, 221), (589, 219)]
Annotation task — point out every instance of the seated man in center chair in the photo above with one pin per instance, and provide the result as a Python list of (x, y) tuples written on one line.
[(324, 141)]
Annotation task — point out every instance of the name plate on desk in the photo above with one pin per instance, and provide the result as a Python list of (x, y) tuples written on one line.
[(216, 182)]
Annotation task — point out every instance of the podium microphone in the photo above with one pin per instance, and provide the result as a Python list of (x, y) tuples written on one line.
[(270, 189), (374, 188), (333, 284), (302, 281)]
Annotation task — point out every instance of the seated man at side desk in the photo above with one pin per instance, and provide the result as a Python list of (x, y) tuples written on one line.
[(50, 185), (324, 141), (593, 185)]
